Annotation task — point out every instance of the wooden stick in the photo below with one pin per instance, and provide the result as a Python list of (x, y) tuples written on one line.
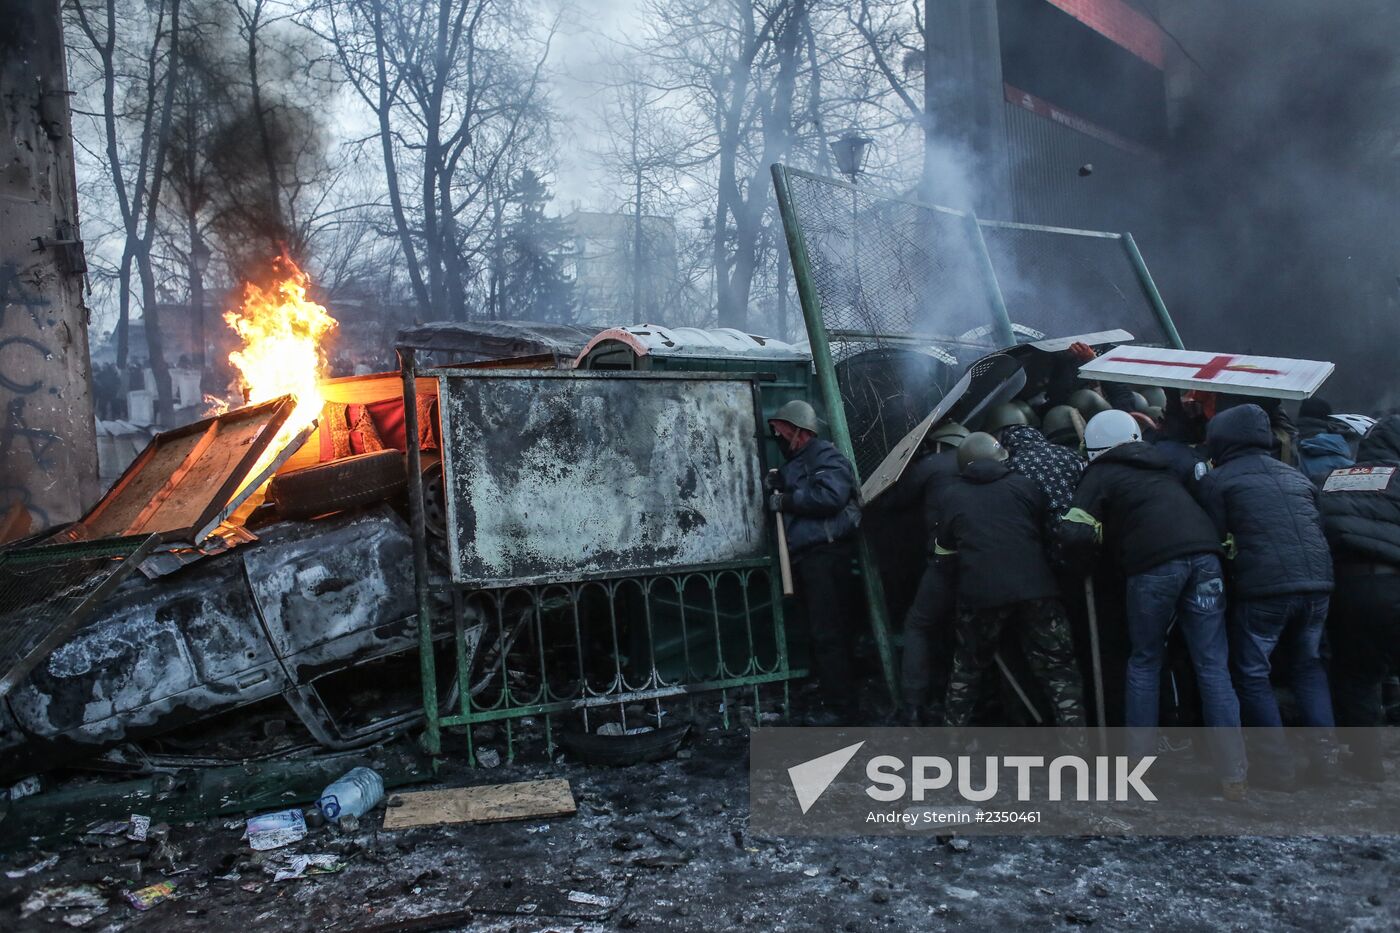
[(1015, 685), (1093, 614), (784, 561)]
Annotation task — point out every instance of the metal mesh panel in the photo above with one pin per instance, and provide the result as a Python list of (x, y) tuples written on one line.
[(44, 592), (1057, 283), (905, 301)]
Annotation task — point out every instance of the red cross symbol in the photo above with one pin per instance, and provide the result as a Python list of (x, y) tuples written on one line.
[(1216, 366)]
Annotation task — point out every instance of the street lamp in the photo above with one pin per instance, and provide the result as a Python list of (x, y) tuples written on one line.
[(851, 151)]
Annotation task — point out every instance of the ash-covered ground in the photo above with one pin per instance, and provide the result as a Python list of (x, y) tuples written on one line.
[(666, 846)]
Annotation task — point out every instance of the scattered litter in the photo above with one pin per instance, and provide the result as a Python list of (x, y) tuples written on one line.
[(542, 828), (488, 758), (108, 828), (252, 887), (274, 830), (140, 825), (61, 897), (354, 793), (491, 803), (811, 872), (301, 866), (26, 788), (83, 917), (148, 897), (33, 869), (349, 825), (593, 900), (962, 894), (960, 843)]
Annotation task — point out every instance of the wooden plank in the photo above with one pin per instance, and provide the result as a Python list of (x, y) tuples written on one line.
[(174, 480), (492, 803)]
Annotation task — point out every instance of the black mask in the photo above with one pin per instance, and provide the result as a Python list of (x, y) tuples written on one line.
[(785, 447)]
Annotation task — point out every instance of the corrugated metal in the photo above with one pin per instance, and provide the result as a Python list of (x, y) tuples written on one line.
[(1046, 187)]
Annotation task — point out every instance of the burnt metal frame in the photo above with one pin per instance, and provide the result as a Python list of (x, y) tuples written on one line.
[(817, 334), (618, 691)]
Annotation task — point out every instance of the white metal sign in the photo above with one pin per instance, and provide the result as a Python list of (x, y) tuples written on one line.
[(1232, 373), (1356, 479)]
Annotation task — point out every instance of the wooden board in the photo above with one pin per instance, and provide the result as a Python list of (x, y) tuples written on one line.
[(492, 803)]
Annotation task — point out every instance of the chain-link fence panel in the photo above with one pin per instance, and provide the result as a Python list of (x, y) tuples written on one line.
[(1058, 283), (906, 301)]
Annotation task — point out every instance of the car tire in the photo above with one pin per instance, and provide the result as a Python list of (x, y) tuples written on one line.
[(340, 484)]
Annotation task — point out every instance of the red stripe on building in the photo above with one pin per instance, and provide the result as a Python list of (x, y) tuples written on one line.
[(1049, 111), (1120, 23)]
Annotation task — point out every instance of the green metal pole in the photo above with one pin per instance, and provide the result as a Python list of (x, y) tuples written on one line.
[(1150, 287), (1005, 331), (432, 734), (836, 418)]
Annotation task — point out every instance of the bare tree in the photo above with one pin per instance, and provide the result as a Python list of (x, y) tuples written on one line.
[(451, 98), (135, 159)]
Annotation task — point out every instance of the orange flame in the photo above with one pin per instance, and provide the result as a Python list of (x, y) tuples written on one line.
[(282, 331)]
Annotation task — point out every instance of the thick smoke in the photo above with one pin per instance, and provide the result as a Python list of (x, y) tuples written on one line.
[(1283, 187)]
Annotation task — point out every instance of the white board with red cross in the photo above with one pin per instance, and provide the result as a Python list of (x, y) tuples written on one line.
[(1231, 373)]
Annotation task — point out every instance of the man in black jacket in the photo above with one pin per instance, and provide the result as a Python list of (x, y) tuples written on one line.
[(1130, 502), (816, 493), (1280, 573), (1361, 516), (991, 529), (927, 655)]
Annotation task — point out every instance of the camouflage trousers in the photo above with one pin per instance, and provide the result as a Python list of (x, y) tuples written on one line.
[(1043, 629)]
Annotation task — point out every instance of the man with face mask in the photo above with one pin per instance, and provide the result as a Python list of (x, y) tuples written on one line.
[(817, 496)]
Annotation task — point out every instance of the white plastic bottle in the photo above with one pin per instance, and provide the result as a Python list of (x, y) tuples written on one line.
[(353, 794)]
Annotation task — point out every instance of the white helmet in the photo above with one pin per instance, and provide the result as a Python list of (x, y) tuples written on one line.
[(1108, 429)]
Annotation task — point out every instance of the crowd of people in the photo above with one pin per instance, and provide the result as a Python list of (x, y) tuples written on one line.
[(1269, 548)]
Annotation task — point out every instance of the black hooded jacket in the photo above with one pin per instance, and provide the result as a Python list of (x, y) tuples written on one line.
[(1361, 504), (921, 487), (1270, 510), (992, 524), (1130, 501)]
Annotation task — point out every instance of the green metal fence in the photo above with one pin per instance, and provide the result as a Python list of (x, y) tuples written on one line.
[(568, 654)]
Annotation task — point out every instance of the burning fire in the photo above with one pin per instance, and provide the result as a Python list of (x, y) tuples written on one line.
[(282, 331)]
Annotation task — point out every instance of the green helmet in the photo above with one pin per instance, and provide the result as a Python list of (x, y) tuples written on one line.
[(798, 414), (1032, 418), (1139, 401), (977, 447), (1003, 416), (1156, 396), (950, 433), (1089, 403), (1063, 424)]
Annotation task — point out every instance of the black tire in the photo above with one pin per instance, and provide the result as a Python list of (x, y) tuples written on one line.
[(339, 484)]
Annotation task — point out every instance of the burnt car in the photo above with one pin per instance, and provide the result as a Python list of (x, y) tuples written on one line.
[(305, 603)]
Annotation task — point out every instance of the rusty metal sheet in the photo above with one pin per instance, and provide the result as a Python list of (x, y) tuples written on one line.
[(571, 475), (183, 479)]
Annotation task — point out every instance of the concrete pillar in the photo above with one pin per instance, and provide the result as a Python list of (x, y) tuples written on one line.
[(48, 451)]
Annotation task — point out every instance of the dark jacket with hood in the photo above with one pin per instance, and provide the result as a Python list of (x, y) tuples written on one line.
[(1130, 501), (1269, 510), (1320, 454), (992, 529), (921, 487), (1361, 505), (820, 497), (1055, 469)]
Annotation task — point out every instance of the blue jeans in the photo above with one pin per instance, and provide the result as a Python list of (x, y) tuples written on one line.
[(1257, 626), (1192, 590)]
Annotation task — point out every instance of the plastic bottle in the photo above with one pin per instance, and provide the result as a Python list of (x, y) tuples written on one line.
[(353, 794)]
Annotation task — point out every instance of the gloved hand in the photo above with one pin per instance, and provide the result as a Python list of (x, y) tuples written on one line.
[(774, 482), (776, 500)]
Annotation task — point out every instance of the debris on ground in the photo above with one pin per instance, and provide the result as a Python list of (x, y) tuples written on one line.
[(292, 867), (274, 830), (492, 803), (150, 896), (43, 864), (63, 897), (353, 794)]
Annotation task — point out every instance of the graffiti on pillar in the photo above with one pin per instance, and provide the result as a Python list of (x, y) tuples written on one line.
[(17, 293), (37, 443), (7, 378)]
